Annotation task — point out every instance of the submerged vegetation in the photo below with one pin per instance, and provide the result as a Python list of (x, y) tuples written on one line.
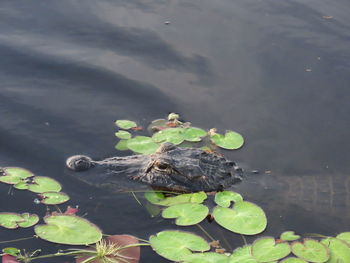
[(227, 209)]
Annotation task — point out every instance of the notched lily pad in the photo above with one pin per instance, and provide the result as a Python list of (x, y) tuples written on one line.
[(53, 198), (14, 175), (289, 236), (28, 220), (186, 214), (158, 198), (41, 184), (266, 250), (311, 250), (193, 134), (224, 198), (121, 145), (244, 218), (142, 144), (230, 141), (173, 135), (14, 220), (340, 250), (242, 255), (69, 230), (177, 245), (123, 135), (125, 124)]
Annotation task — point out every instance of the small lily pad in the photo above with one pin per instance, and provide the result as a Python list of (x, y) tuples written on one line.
[(193, 134), (69, 230), (207, 257), (125, 124), (177, 245), (13, 251), (122, 145), (224, 198), (53, 198), (21, 185), (13, 220), (245, 218), (123, 135), (173, 135), (158, 198), (266, 250), (242, 255), (142, 144), (231, 140), (28, 220), (289, 236), (340, 251), (311, 250), (293, 260), (344, 236), (14, 175), (41, 184), (186, 214)]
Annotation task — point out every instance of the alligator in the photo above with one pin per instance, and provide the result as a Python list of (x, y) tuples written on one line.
[(170, 168)]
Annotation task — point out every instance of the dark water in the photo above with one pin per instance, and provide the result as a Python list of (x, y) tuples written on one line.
[(276, 71)]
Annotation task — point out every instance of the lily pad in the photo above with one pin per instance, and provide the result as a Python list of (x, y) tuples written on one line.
[(245, 218), (289, 236), (242, 255), (122, 145), (41, 184), (311, 250), (14, 175), (54, 198), (173, 135), (293, 260), (13, 220), (21, 185), (231, 140), (345, 236), (142, 144), (28, 220), (13, 251), (69, 230), (158, 198), (340, 251), (193, 134), (123, 135), (125, 124), (224, 198), (177, 245), (266, 250), (186, 214), (207, 257)]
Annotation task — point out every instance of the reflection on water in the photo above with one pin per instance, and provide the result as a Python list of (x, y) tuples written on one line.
[(277, 72)]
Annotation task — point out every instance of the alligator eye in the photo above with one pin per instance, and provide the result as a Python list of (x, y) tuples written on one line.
[(162, 166)]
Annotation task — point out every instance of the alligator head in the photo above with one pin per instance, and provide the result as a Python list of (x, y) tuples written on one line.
[(170, 168)]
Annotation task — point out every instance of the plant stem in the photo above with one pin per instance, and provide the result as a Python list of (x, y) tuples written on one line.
[(15, 240), (206, 233)]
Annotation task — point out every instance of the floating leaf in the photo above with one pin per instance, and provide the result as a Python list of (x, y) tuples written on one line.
[(344, 236), (14, 175), (158, 198), (245, 218), (231, 140), (289, 236), (266, 250), (340, 251), (242, 255), (69, 230), (21, 185), (122, 145), (186, 214), (11, 251), (173, 135), (311, 250), (123, 135), (13, 220), (224, 198), (125, 124), (193, 134), (207, 257), (28, 220), (54, 198), (142, 144), (41, 184), (177, 245), (293, 260)]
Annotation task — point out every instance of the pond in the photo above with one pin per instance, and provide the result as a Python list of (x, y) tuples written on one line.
[(277, 72)]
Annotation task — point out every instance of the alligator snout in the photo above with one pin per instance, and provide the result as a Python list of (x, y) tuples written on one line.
[(79, 163)]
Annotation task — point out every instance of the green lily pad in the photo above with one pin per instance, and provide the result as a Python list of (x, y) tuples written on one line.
[(125, 124), (142, 144), (28, 220), (311, 250), (207, 257), (158, 198), (289, 236), (293, 260), (224, 198), (53, 198), (193, 134), (266, 250), (344, 236), (41, 184), (123, 135), (231, 140), (173, 135), (21, 185), (13, 251), (340, 250), (13, 220), (69, 230), (177, 245), (14, 175), (242, 255), (186, 214), (245, 218), (122, 145)]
